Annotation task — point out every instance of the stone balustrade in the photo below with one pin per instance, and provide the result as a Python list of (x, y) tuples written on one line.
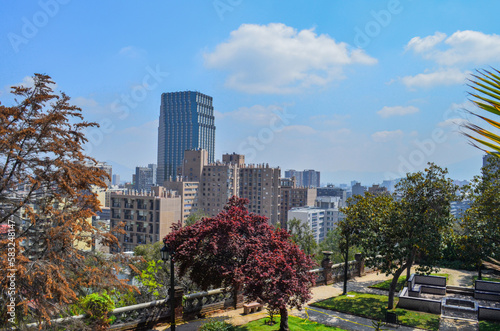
[(196, 305)]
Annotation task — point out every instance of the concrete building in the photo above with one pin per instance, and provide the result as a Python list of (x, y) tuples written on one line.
[(260, 184), (148, 217), (192, 165), (329, 202), (357, 189), (219, 182), (322, 218), (332, 191), (188, 191), (186, 123), (314, 217), (293, 196)]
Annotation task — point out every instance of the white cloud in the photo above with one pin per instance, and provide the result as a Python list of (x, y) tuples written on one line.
[(461, 47), (385, 136), (451, 54), (421, 45), (397, 111), (450, 76), (276, 58)]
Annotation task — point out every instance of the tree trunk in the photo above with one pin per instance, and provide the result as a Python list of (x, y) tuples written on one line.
[(479, 273), (410, 263), (284, 320), (392, 289)]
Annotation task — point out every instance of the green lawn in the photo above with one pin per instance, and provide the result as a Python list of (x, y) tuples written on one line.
[(401, 283), (374, 307), (295, 323)]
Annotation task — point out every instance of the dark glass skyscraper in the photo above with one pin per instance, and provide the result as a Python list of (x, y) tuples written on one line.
[(186, 122)]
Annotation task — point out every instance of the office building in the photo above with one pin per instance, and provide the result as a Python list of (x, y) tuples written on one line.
[(306, 178), (186, 123)]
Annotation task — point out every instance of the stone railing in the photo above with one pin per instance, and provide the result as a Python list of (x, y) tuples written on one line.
[(191, 306)]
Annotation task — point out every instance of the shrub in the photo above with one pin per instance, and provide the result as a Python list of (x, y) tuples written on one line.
[(214, 325), (97, 306)]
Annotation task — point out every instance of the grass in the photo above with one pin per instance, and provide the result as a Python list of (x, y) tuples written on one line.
[(489, 326), (375, 306), (401, 283), (295, 323)]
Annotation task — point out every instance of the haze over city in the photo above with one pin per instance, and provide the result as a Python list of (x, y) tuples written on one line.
[(359, 90)]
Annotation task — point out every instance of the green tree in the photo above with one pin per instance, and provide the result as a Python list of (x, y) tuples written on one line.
[(394, 229), (332, 243), (425, 205), (303, 236), (481, 222), (194, 217)]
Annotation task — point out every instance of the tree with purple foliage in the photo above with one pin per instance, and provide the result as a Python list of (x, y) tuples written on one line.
[(241, 250)]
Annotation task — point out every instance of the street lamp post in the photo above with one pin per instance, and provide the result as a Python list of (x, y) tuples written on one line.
[(166, 252)]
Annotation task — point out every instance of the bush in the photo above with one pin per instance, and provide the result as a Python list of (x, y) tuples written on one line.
[(97, 306), (214, 325)]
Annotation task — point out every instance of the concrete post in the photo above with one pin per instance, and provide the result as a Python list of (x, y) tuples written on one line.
[(360, 264), (326, 264), (178, 295)]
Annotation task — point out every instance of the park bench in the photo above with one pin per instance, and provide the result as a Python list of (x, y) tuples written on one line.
[(251, 307), (418, 284), (485, 290)]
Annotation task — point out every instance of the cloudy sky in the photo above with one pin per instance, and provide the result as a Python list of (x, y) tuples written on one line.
[(359, 90)]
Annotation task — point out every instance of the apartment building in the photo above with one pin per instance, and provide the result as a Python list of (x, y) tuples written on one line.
[(260, 184), (148, 217), (292, 196)]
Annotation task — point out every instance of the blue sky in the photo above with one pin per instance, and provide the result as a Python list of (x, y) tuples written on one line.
[(359, 90)]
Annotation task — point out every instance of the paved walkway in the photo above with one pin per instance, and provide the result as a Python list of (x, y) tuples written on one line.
[(337, 319)]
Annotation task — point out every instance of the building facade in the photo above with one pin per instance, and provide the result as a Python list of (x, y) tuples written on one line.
[(260, 184), (219, 182), (186, 122), (293, 196), (145, 177), (148, 217), (306, 178)]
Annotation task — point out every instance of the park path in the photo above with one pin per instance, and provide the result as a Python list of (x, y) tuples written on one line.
[(342, 320)]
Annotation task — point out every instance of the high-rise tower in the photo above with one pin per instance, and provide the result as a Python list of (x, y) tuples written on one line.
[(187, 122)]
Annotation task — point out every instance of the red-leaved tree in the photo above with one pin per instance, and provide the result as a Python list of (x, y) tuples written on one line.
[(242, 251)]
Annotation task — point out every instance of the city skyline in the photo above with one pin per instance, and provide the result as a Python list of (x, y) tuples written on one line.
[(357, 90)]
